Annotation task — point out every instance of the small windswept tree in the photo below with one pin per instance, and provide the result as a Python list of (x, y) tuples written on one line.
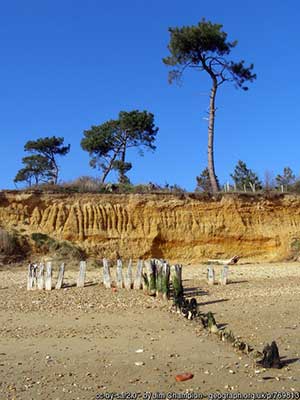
[(203, 182), (48, 148), (41, 166), (244, 177), (204, 47), (36, 169), (287, 179), (108, 143)]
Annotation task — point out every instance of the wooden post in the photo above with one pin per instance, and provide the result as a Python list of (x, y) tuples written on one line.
[(34, 277), (106, 274), (137, 284), (40, 277), (60, 277), (48, 279), (151, 276), (166, 281), (30, 277), (176, 277), (119, 274), (210, 276), (159, 272), (224, 275), (128, 277), (81, 276)]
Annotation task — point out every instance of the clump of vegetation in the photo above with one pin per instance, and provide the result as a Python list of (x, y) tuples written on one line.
[(12, 245), (295, 249), (61, 249), (244, 177)]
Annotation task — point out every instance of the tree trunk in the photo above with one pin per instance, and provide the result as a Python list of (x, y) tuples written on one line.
[(122, 177), (211, 131), (109, 167)]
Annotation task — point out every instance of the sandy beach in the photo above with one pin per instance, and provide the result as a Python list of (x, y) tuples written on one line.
[(83, 343)]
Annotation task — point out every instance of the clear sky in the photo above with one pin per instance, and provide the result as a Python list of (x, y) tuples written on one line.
[(69, 64)]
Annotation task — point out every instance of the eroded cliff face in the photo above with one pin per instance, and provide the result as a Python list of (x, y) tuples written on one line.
[(178, 228)]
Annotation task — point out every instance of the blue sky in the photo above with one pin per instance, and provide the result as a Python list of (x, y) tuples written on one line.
[(67, 65)]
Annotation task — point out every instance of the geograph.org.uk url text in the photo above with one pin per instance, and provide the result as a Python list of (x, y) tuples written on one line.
[(196, 396)]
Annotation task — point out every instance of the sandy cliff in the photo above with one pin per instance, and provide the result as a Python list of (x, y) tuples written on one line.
[(179, 228)]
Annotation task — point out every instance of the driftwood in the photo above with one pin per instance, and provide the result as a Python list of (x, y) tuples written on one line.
[(48, 278), (106, 274), (60, 278), (137, 284), (40, 276), (231, 261), (119, 274)]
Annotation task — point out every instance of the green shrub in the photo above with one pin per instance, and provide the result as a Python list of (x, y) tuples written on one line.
[(61, 249), (12, 244)]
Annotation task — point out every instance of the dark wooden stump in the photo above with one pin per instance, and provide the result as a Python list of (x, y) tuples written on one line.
[(271, 358)]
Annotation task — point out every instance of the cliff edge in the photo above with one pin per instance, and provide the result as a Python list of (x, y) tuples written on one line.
[(182, 228)]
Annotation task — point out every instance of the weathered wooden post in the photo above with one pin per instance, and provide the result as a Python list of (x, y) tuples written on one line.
[(159, 272), (151, 276), (224, 275), (119, 274), (137, 284), (40, 277), (60, 277), (176, 277), (34, 278), (81, 276), (30, 277), (165, 281), (128, 276), (48, 279), (106, 274), (210, 276)]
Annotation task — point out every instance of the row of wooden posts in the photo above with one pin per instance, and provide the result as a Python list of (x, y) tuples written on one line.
[(211, 276), (154, 276)]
